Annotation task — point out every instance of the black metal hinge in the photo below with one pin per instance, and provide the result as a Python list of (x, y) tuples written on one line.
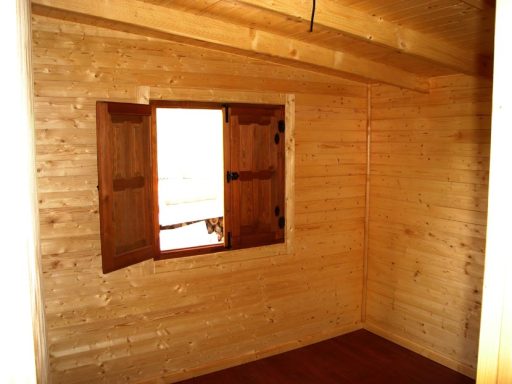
[(281, 126), (228, 245)]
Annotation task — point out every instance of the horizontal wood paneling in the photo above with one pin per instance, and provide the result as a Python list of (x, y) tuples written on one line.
[(172, 319), (428, 207)]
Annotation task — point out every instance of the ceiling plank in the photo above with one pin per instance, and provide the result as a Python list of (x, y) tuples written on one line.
[(232, 38), (331, 14)]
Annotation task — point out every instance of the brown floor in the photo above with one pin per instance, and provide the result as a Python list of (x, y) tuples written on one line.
[(356, 358)]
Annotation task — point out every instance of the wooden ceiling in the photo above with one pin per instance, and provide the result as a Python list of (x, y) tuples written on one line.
[(398, 42)]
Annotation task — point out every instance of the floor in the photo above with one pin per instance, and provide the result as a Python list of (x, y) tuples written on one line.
[(358, 357)]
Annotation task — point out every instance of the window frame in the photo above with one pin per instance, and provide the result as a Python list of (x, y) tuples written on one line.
[(206, 249), (231, 98), (189, 251)]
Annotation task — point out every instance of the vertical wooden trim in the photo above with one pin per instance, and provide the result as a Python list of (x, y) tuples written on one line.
[(233, 222), (154, 187), (23, 333), (226, 131), (495, 349), (34, 250), (143, 96), (367, 202), (290, 171)]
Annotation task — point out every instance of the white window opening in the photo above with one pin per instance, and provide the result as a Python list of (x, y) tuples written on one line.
[(190, 177)]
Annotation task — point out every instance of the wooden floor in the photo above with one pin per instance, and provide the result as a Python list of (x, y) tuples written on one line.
[(356, 358)]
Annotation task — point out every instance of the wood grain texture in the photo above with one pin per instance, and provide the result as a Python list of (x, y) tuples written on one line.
[(429, 173), (260, 162), (173, 319), (451, 21), (466, 23), (149, 19), (362, 26), (125, 182)]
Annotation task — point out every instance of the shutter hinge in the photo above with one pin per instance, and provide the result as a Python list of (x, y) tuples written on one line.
[(228, 245), (281, 126)]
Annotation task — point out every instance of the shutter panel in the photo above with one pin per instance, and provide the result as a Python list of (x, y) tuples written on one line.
[(257, 195), (125, 184)]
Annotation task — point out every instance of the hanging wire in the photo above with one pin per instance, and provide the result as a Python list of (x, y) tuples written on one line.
[(312, 16)]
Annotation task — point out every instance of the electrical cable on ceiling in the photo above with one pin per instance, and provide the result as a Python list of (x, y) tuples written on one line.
[(312, 16)]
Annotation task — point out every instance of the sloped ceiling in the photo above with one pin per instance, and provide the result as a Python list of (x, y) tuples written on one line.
[(398, 42)]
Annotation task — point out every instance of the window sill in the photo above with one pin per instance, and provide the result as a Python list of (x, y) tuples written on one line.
[(213, 255), (184, 252)]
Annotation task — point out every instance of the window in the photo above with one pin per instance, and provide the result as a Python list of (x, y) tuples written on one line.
[(190, 169), (179, 179)]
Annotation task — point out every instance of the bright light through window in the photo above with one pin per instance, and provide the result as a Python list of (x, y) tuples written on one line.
[(190, 177)]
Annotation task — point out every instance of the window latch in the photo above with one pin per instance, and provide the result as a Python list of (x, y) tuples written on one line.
[(232, 176)]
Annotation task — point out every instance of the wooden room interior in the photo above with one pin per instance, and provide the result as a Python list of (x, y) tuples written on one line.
[(388, 135)]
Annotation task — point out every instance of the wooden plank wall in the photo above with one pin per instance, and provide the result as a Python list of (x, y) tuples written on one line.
[(177, 318), (428, 201)]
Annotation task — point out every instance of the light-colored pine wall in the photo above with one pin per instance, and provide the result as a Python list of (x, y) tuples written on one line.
[(428, 202), (177, 318)]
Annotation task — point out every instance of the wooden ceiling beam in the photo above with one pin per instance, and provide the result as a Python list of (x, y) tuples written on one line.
[(358, 25), (229, 37)]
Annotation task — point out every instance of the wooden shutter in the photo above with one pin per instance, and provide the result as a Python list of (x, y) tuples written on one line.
[(256, 155), (125, 184)]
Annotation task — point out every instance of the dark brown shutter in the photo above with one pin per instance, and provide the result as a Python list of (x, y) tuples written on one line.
[(125, 183), (256, 211)]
